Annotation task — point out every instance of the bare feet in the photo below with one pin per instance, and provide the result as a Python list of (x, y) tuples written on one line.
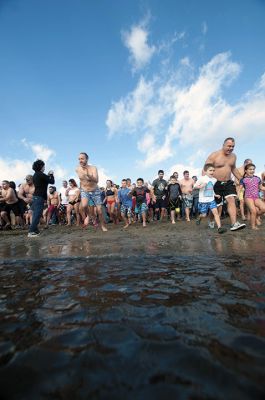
[(126, 226), (104, 229), (173, 222), (86, 222)]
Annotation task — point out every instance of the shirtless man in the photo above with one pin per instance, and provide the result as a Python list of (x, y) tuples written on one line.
[(224, 162), (186, 185), (53, 201), (88, 175), (25, 193), (240, 191), (10, 203)]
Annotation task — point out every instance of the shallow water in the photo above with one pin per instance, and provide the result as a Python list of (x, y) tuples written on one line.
[(133, 328)]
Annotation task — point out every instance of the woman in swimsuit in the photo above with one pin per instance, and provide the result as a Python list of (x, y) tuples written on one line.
[(111, 196), (73, 195)]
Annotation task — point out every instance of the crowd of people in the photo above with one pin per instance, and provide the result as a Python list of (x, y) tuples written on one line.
[(223, 189)]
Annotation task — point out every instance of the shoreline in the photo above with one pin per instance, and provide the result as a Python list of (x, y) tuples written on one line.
[(158, 238)]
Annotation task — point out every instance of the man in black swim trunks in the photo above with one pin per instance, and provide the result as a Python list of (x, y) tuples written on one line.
[(224, 162)]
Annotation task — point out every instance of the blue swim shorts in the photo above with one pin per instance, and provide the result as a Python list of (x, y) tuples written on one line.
[(204, 207), (126, 210), (94, 196), (142, 208)]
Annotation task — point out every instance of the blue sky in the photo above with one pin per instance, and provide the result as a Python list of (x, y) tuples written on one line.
[(138, 85)]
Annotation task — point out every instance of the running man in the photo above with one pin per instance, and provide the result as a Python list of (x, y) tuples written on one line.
[(88, 175), (186, 185), (224, 162)]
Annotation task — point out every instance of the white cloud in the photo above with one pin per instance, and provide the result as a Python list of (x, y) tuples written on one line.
[(126, 114), (169, 114), (17, 170), (136, 40), (14, 170), (40, 151)]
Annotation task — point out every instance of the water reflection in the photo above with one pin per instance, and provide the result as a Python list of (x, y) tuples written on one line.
[(117, 326), (212, 245)]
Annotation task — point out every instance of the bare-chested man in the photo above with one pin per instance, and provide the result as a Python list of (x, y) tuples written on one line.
[(240, 191), (224, 162), (10, 203), (53, 201), (25, 193), (186, 185), (88, 175)]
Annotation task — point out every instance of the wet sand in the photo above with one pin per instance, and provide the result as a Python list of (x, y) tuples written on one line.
[(173, 312)]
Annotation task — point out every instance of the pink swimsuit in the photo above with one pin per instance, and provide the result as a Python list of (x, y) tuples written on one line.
[(251, 186)]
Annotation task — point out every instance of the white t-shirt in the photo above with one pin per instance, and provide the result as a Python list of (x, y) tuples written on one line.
[(206, 194), (64, 199)]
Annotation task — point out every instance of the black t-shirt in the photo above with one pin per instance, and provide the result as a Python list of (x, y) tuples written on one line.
[(41, 182), (140, 194), (174, 191), (159, 186)]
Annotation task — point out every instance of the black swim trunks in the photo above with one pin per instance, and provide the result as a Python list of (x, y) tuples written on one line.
[(12, 207), (224, 189)]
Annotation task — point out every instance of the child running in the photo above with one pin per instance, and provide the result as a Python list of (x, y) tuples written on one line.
[(174, 195), (125, 202), (207, 196), (141, 202), (252, 184)]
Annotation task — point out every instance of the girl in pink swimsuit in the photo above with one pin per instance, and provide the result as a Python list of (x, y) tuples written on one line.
[(252, 185)]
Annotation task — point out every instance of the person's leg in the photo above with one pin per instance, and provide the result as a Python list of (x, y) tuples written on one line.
[(202, 207), (50, 212), (163, 213), (231, 208), (172, 216), (113, 212), (100, 216), (37, 205), (157, 214), (144, 218), (242, 209), (253, 213), (259, 203), (77, 215), (5, 218), (84, 206), (124, 219), (68, 213), (216, 217), (187, 213)]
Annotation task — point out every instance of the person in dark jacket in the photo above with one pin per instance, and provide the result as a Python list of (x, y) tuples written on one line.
[(41, 182)]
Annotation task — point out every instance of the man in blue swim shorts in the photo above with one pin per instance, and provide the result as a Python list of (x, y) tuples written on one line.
[(88, 175)]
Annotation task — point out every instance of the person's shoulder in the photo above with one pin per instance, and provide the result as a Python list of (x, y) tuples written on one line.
[(214, 154)]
